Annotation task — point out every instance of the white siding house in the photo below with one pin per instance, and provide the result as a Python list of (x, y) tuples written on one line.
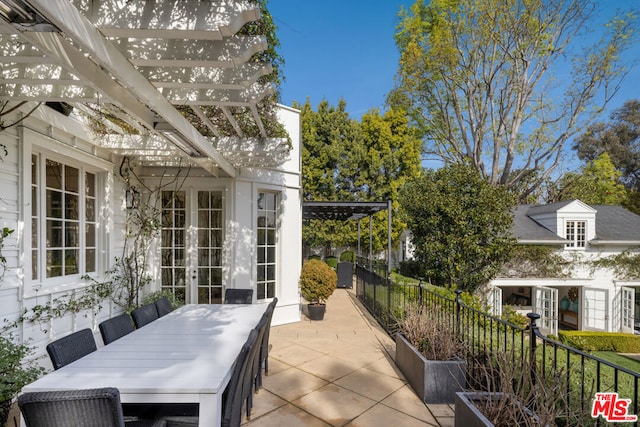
[(166, 88), (588, 298)]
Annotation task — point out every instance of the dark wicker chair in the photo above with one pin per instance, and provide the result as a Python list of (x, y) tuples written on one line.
[(71, 348), (250, 380), (238, 296), (264, 345), (77, 408), (115, 328), (232, 401), (163, 306), (144, 315)]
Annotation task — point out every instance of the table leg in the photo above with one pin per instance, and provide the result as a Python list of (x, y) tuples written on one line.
[(210, 413)]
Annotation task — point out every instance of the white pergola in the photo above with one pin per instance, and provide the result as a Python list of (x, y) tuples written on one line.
[(164, 80)]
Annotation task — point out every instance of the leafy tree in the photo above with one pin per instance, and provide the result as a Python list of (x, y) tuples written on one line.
[(347, 160), (619, 138), (599, 184), (477, 77), (460, 224)]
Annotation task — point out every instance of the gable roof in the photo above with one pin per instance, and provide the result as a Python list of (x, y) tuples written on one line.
[(527, 230), (614, 225)]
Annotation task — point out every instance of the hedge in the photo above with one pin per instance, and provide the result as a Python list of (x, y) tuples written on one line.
[(618, 342)]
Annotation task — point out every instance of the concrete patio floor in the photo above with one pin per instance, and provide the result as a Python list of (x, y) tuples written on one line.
[(339, 372)]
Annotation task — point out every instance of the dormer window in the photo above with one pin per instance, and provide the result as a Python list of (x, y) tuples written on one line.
[(576, 234)]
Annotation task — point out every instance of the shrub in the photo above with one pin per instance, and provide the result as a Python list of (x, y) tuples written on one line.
[(601, 341), (15, 372), (332, 261), (155, 296), (509, 314), (348, 256), (317, 281), (429, 332), (411, 268)]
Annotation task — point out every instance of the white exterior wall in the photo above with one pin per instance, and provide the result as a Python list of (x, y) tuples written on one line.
[(64, 138)]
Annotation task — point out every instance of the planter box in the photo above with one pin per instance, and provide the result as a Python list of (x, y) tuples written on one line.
[(468, 414), (435, 381)]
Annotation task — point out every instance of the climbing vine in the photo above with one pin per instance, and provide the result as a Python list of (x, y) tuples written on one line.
[(626, 265), (4, 234), (536, 261)]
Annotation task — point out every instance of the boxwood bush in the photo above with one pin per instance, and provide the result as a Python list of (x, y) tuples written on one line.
[(618, 342), (317, 281)]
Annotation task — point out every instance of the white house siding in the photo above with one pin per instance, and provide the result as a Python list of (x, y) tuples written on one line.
[(66, 139)]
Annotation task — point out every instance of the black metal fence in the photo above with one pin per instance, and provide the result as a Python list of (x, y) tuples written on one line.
[(560, 375)]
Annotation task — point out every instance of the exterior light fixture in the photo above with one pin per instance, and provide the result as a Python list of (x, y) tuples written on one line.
[(132, 198)]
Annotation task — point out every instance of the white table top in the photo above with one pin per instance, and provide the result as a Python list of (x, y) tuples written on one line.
[(177, 358)]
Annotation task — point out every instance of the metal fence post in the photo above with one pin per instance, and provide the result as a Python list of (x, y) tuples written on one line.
[(458, 329), (533, 336), (420, 297)]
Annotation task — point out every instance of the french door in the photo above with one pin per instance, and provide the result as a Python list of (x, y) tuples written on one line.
[(546, 305), (596, 308), (192, 240), (628, 309)]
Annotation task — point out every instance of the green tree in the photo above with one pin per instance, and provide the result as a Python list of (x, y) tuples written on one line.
[(478, 78), (347, 160), (598, 184), (460, 223), (619, 138)]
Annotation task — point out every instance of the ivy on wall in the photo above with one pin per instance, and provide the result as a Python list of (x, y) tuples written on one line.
[(536, 261)]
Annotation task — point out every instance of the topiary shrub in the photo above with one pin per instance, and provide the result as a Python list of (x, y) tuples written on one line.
[(348, 256), (317, 281), (601, 341), (332, 261)]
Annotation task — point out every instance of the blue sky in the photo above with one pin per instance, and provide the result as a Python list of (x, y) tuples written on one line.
[(345, 49)]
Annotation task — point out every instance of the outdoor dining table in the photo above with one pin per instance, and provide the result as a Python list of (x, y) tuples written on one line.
[(186, 356)]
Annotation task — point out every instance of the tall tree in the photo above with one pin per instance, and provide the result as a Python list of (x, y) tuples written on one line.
[(349, 160), (598, 184), (460, 224), (478, 77), (619, 138)]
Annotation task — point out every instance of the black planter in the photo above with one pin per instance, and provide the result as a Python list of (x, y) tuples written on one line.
[(316, 311), (469, 415)]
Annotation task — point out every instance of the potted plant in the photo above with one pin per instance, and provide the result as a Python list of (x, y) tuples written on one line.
[(429, 354), (317, 283), (15, 372)]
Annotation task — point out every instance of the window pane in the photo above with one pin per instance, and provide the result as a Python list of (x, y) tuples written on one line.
[(90, 263), (90, 185), (216, 200), (54, 263), (178, 201), (54, 175), (203, 238), (203, 219), (203, 199), (90, 210), (216, 238), (72, 209), (54, 204), (203, 276), (271, 289), (271, 237), (34, 201), (71, 261), (54, 234), (71, 178), (34, 265), (216, 219), (34, 233), (216, 276), (71, 235)]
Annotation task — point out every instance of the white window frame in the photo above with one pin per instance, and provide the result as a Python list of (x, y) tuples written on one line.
[(266, 245), (40, 220), (572, 229)]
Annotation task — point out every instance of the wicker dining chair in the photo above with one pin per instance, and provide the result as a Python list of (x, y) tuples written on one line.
[(264, 345), (144, 315), (163, 306), (71, 348), (78, 408), (115, 328), (238, 296)]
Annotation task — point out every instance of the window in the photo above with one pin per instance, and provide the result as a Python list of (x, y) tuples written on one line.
[(576, 234), (63, 219), (267, 228)]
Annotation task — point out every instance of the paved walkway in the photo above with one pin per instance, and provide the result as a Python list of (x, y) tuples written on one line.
[(339, 372)]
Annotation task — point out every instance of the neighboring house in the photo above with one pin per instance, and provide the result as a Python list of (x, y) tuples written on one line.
[(136, 83), (579, 233)]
